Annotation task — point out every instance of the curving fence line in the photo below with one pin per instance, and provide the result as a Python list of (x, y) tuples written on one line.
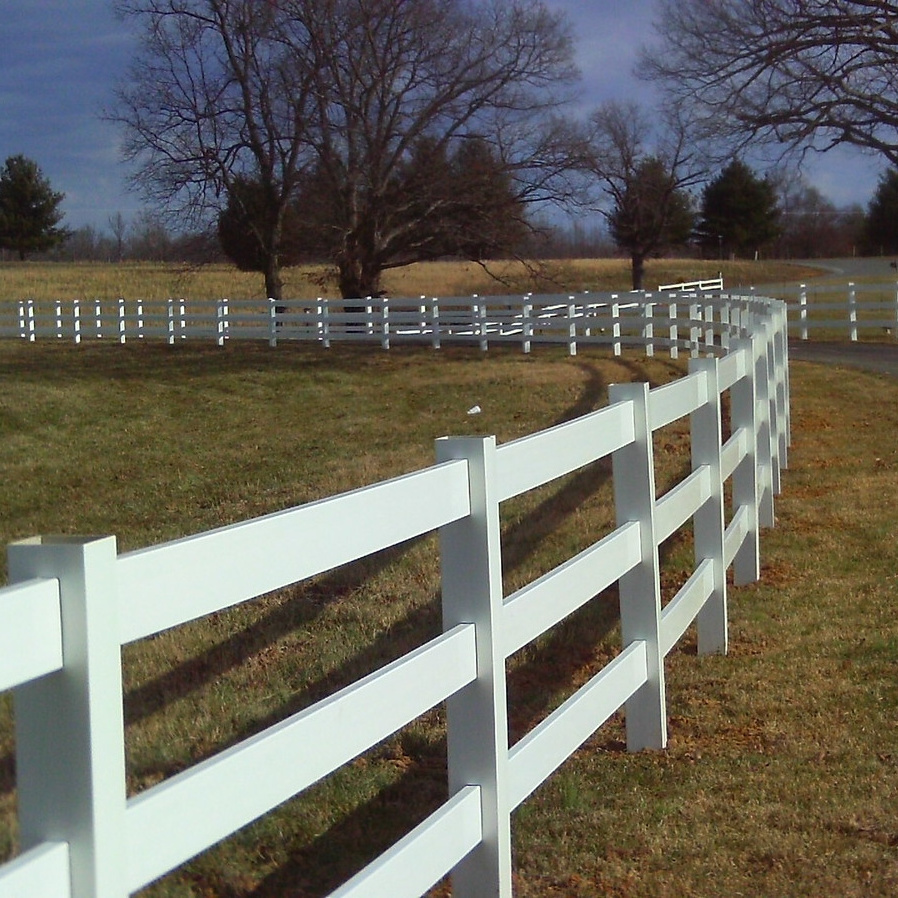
[(73, 603), (675, 320)]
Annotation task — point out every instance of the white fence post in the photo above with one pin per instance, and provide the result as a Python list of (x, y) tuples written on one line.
[(482, 328), (803, 312), (385, 323), (527, 328), (852, 312), (98, 316), (220, 321), (273, 323), (140, 320), (571, 326), (725, 324), (709, 325), (59, 329), (70, 756), (615, 325), (694, 329), (76, 321), (122, 321), (760, 337), (32, 331), (640, 589), (747, 563), (435, 321), (170, 314), (477, 715), (648, 328), (673, 332), (781, 382), (707, 439), (324, 310)]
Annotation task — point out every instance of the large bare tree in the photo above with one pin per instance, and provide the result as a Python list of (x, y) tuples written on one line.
[(343, 94), (796, 72), (645, 165), (219, 91)]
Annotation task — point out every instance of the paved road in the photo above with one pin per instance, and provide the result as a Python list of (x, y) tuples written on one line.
[(855, 268), (881, 357)]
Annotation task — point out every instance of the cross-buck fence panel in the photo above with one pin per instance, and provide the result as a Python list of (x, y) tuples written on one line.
[(73, 603)]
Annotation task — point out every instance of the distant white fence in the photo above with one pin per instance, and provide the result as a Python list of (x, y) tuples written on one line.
[(851, 309), (674, 320), (73, 603), (707, 284)]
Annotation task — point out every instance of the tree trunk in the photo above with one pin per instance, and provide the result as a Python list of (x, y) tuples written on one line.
[(274, 285), (359, 278), (637, 261)]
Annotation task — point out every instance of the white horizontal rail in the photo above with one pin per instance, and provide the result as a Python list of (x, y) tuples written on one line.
[(682, 609), (177, 819), (733, 453), (42, 872), (735, 535), (733, 367), (30, 632), (534, 460), (179, 581), (545, 602), (550, 743), (425, 855), (679, 504), (677, 399)]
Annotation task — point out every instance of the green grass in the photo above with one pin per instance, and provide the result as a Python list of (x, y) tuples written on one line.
[(782, 773)]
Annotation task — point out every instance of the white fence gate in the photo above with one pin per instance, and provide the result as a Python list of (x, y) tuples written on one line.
[(73, 603)]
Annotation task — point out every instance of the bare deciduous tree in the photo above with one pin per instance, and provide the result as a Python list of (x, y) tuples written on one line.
[(343, 93), (645, 167), (219, 90), (796, 72)]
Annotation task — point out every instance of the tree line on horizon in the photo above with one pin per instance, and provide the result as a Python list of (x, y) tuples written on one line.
[(370, 134)]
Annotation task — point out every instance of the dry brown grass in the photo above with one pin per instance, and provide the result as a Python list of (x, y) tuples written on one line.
[(50, 281)]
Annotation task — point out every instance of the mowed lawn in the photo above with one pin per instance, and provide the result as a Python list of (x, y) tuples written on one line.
[(782, 772)]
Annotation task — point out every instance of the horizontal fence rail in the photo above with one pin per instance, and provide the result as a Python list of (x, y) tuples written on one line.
[(73, 603)]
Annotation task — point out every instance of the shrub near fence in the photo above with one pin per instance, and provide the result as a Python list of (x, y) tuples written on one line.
[(74, 602)]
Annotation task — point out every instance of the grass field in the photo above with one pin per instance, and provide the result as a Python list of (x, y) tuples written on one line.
[(782, 773), (49, 281)]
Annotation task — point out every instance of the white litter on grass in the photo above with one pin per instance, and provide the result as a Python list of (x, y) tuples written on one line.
[(474, 410)]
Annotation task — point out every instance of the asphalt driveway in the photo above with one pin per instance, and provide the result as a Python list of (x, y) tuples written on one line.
[(880, 357)]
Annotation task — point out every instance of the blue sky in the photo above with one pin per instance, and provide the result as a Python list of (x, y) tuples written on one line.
[(60, 59)]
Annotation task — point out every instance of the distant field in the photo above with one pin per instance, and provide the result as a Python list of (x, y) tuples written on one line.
[(58, 280)]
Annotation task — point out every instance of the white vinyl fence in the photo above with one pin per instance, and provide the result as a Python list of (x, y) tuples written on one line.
[(848, 310), (674, 320), (73, 603)]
